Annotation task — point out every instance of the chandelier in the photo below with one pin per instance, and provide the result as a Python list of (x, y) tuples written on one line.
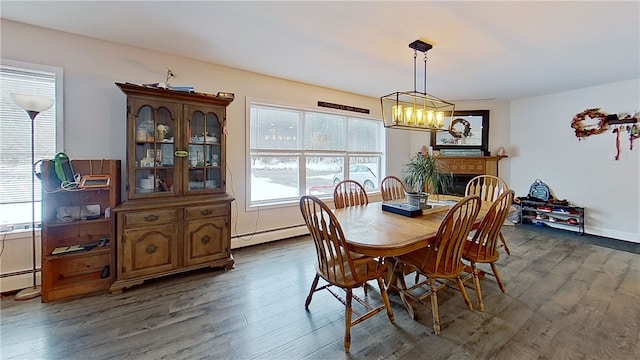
[(414, 110)]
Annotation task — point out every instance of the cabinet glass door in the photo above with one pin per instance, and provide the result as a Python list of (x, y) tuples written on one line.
[(154, 164), (205, 152)]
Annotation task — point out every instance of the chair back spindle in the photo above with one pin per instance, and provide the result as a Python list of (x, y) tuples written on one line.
[(488, 187), (392, 188), (349, 193)]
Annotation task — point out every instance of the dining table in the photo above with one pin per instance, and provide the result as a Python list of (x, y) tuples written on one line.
[(370, 230)]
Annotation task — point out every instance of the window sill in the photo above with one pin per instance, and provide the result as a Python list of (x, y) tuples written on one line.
[(18, 234), (374, 196)]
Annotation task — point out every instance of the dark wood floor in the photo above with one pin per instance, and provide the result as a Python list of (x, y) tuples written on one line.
[(565, 300)]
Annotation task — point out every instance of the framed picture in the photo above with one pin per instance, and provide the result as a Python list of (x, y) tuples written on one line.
[(156, 155), (469, 130)]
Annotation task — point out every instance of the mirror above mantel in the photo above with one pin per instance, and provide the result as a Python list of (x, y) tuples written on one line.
[(468, 134)]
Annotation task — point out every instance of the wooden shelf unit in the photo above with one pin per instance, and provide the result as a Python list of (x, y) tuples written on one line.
[(81, 272)]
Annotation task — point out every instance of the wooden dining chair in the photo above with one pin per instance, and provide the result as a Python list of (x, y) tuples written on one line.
[(442, 259), (338, 268), (482, 247), (392, 188), (489, 188), (349, 193)]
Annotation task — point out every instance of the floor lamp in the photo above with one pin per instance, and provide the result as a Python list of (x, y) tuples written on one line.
[(33, 105)]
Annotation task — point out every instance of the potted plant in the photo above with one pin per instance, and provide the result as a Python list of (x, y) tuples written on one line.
[(422, 175)]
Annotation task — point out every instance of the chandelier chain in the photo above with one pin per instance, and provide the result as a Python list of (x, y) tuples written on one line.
[(415, 74), (425, 72)]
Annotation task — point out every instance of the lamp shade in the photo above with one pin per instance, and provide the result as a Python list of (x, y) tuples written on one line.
[(32, 102)]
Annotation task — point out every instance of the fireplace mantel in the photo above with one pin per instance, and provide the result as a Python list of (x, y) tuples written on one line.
[(471, 165)]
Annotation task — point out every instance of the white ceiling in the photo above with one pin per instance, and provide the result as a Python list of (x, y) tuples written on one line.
[(482, 50)]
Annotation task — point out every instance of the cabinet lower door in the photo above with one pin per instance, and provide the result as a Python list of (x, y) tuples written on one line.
[(206, 240), (149, 250)]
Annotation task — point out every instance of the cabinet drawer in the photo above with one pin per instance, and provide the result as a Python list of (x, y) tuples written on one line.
[(206, 211), (150, 217)]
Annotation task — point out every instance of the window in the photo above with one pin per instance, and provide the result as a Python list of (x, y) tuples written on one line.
[(294, 152), (15, 138)]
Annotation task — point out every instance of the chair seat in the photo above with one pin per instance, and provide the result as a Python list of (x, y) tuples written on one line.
[(472, 252), (355, 255), (416, 259), (366, 268)]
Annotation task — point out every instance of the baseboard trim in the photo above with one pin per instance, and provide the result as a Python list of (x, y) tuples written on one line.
[(268, 236), (614, 234), (18, 282)]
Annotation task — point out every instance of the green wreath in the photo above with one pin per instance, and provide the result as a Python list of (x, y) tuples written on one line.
[(460, 134)]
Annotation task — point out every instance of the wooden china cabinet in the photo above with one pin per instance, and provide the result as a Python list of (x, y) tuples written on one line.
[(177, 215)]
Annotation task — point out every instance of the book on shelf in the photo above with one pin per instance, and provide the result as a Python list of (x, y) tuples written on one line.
[(67, 249)]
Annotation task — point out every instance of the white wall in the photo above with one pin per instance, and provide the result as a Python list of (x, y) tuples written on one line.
[(544, 146), (94, 123), (17, 257)]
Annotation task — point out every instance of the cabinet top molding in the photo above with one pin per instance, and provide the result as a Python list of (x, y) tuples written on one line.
[(134, 89)]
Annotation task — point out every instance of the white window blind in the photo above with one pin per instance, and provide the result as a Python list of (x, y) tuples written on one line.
[(15, 136)]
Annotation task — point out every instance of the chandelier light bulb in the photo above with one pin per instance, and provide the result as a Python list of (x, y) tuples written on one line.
[(397, 113), (420, 117), (439, 119), (408, 115), (430, 118)]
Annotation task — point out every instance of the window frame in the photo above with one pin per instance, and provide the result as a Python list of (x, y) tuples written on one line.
[(59, 127), (302, 154)]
